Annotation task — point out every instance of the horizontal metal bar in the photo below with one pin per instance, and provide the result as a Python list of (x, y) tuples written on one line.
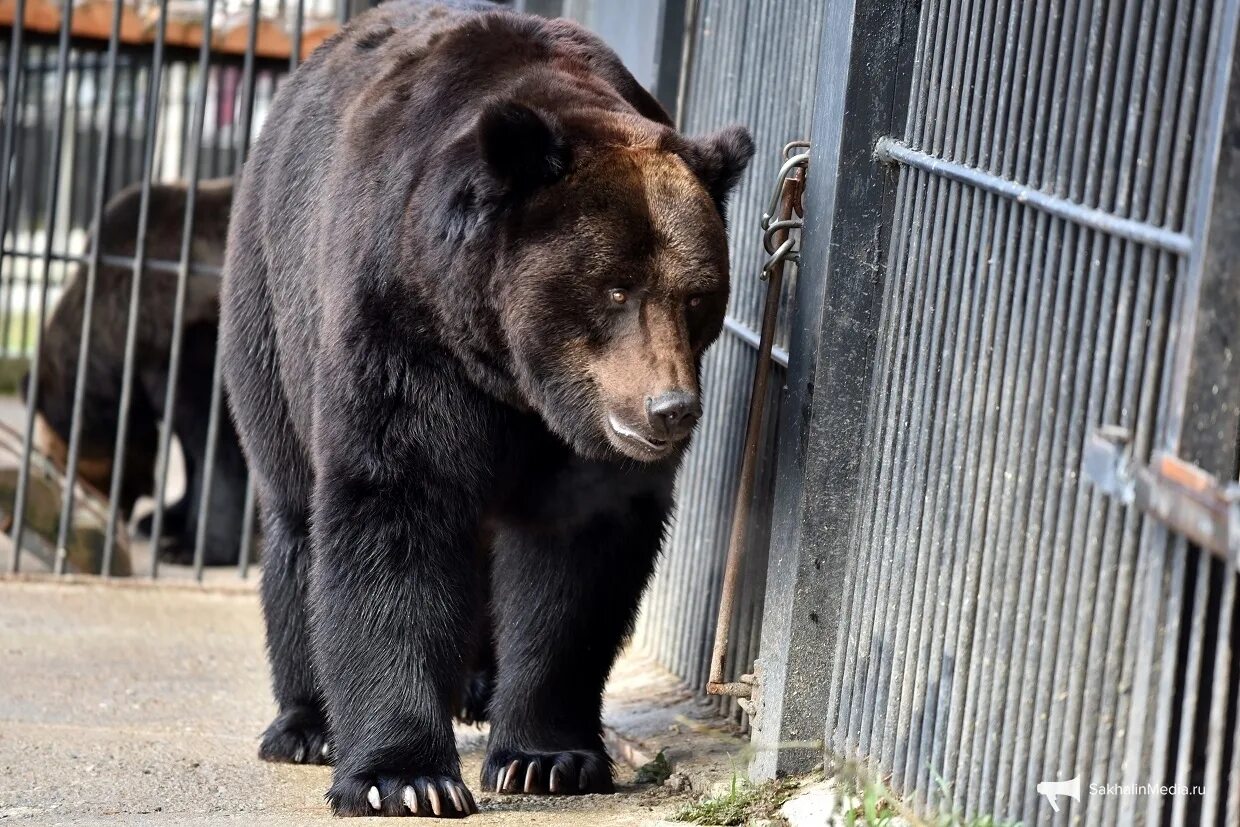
[(150, 265), (742, 331), (892, 151)]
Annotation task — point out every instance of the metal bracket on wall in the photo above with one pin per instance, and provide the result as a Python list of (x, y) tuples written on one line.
[(782, 216), (1176, 493)]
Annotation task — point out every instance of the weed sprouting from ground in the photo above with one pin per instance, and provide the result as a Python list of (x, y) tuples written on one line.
[(741, 804), (861, 799), (865, 801), (656, 771)]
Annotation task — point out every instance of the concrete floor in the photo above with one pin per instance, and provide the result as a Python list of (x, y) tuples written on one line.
[(132, 704)]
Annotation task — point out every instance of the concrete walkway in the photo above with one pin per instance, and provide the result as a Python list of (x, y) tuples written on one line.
[(127, 704)]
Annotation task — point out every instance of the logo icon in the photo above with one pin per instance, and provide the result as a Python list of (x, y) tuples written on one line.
[(1051, 789)]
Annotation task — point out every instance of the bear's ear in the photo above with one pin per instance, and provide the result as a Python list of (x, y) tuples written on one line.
[(719, 160), (522, 148)]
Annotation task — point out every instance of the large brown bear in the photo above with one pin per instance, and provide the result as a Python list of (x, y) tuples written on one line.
[(62, 337), (471, 274)]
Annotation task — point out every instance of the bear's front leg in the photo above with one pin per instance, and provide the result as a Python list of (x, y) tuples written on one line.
[(401, 467), (567, 577)]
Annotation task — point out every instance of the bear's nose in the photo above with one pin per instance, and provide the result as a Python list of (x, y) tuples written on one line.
[(672, 414)]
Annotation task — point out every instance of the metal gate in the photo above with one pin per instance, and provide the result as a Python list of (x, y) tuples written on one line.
[(1021, 227)]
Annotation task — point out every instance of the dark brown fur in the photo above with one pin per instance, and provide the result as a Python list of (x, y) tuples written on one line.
[(469, 284)]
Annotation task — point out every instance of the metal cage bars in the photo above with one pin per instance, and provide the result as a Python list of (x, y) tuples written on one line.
[(1043, 240), (24, 100)]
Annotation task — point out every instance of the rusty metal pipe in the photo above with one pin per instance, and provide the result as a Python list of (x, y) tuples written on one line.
[(790, 204)]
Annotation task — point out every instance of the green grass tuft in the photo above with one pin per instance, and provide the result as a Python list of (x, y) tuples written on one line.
[(740, 805)]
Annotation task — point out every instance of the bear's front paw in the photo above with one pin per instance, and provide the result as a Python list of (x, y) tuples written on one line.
[(427, 796), (572, 772), (297, 736)]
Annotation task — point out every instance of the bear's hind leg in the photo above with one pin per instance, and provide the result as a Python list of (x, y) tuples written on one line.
[(565, 598), (299, 733), (282, 477)]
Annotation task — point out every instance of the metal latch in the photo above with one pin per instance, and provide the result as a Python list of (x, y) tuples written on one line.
[(1176, 493)]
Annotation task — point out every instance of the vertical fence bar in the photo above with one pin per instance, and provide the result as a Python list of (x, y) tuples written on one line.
[(299, 19), (12, 111), (217, 377), (150, 131), (49, 224), (178, 317), (92, 273)]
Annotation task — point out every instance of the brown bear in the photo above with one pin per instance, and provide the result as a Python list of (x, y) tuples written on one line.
[(471, 275), (59, 351)]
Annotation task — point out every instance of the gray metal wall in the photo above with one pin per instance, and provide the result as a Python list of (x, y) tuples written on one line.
[(750, 63), (1046, 236)]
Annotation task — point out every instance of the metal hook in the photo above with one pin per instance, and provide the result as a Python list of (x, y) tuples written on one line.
[(776, 226), (800, 159)]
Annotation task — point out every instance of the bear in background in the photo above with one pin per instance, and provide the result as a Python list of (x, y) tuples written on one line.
[(106, 362), (471, 275)]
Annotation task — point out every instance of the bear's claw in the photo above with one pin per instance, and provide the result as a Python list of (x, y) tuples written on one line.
[(573, 772), (297, 736), (421, 796)]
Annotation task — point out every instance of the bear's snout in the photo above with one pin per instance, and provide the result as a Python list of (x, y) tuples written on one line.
[(668, 419), (672, 415)]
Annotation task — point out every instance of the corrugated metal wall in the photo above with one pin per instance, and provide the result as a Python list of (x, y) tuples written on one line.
[(1003, 623), (750, 63)]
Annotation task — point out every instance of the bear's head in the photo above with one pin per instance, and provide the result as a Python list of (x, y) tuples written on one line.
[(612, 278)]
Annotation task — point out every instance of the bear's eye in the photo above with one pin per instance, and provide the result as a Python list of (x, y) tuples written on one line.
[(694, 302), (619, 295)]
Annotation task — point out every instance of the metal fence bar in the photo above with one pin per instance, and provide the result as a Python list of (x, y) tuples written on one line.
[(925, 657), (1102, 545), (153, 109), (1233, 789), (178, 318), (893, 451), (1194, 661), (20, 174), (691, 623), (908, 517), (49, 224), (217, 375), (1095, 219), (149, 265), (299, 20), (1042, 429), (742, 331), (1204, 272), (92, 273), (1005, 616), (12, 94), (248, 529), (1156, 271), (975, 621), (749, 43)]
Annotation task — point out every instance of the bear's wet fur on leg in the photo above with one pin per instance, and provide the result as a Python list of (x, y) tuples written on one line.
[(471, 275)]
